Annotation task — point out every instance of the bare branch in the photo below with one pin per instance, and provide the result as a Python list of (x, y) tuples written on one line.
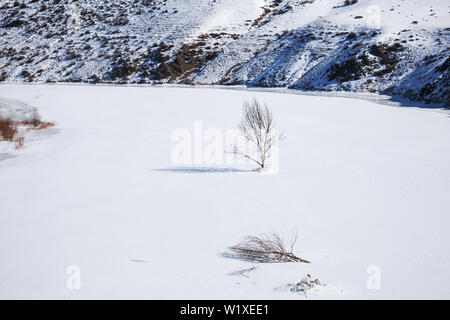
[(243, 272)]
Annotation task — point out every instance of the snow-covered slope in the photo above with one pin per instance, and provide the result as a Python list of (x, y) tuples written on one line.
[(365, 185), (393, 47)]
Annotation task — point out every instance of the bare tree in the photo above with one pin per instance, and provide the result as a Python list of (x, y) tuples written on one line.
[(267, 247), (257, 127)]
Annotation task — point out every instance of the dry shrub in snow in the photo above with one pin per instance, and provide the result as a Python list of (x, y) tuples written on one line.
[(35, 121), (257, 127), (8, 129), (267, 247)]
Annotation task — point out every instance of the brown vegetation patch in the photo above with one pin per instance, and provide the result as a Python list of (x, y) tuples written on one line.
[(9, 129), (187, 60)]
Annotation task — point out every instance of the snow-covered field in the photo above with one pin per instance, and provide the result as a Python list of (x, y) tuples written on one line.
[(366, 185)]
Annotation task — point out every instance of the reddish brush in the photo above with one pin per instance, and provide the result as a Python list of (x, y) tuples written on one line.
[(35, 121), (8, 129)]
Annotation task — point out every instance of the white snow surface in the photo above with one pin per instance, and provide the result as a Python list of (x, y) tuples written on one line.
[(364, 184)]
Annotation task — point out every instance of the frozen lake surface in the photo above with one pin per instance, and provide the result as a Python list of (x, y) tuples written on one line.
[(365, 185)]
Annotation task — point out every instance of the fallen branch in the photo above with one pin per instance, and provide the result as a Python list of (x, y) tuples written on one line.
[(266, 248)]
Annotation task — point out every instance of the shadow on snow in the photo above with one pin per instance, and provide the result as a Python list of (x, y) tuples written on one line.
[(201, 170)]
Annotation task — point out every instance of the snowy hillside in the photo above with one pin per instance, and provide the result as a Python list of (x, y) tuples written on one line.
[(365, 185), (395, 47)]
